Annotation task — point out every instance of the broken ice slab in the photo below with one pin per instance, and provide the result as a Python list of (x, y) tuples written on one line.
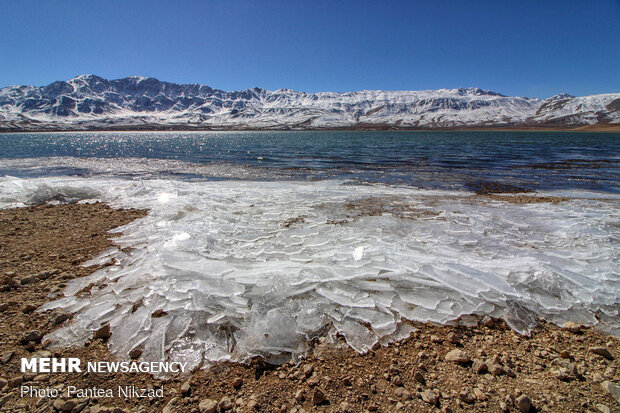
[(207, 255)]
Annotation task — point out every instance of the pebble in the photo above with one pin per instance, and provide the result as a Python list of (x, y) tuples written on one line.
[(58, 318), (603, 352), (429, 397), (237, 382), (480, 395), (479, 366), (467, 397), (612, 388), (572, 327), (403, 393), (602, 408), (457, 356), (307, 370), (27, 279), (313, 380), (6, 357), (103, 332), (524, 404), (33, 335), (28, 308), (225, 403), (495, 369), (299, 395), (207, 406), (318, 397), (186, 388), (419, 377)]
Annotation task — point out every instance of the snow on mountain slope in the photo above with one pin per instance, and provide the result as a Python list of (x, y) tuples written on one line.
[(90, 101)]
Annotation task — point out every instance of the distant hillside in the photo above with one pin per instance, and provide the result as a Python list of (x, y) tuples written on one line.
[(91, 102)]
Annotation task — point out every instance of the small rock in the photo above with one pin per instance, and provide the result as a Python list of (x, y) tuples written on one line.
[(453, 338), (612, 388), (299, 395), (135, 353), (572, 327), (503, 406), (307, 370), (480, 395), (419, 377), (171, 406), (237, 382), (207, 406), (253, 405), (58, 404), (225, 403), (488, 322), (43, 275), (403, 393), (436, 339), (59, 318), (524, 404), (69, 405), (508, 371), (103, 332), (3, 383), (467, 397), (27, 279), (28, 308), (3, 307), (313, 380), (6, 357), (429, 397), (41, 377), (597, 378), (457, 356), (159, 313), (495, 369), (318, 397), (33, 335), (602, 408), (603, 352), (479, 366), (186, 388)]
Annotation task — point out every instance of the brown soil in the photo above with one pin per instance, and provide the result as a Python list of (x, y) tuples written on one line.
[(526, 199), (558, 370)]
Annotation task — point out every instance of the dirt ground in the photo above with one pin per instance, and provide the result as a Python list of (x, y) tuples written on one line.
[(479, 368)]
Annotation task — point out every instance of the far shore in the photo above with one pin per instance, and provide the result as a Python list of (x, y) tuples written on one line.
[(385, 128)]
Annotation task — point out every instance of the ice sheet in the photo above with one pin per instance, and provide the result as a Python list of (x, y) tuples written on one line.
[(261, 268)]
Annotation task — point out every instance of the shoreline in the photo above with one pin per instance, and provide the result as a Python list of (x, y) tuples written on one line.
[(378, 128), (491, 367)]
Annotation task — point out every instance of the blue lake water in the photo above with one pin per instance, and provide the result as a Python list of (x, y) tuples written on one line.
[(534, 160), (257, 243)]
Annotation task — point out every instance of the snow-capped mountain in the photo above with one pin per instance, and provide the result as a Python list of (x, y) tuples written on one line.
[(91, 102)]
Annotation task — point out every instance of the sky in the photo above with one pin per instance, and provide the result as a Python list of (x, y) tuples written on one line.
[(520, 48)]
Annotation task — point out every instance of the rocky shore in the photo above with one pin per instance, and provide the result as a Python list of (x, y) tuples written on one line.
[(473, 365)]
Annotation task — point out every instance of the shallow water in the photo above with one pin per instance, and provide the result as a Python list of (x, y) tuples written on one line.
[(448, 160), (258, 257)]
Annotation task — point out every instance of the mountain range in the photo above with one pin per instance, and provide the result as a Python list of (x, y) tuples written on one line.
[(89, 102)]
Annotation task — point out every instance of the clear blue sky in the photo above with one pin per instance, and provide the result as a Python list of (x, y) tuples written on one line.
[(525, 48)]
